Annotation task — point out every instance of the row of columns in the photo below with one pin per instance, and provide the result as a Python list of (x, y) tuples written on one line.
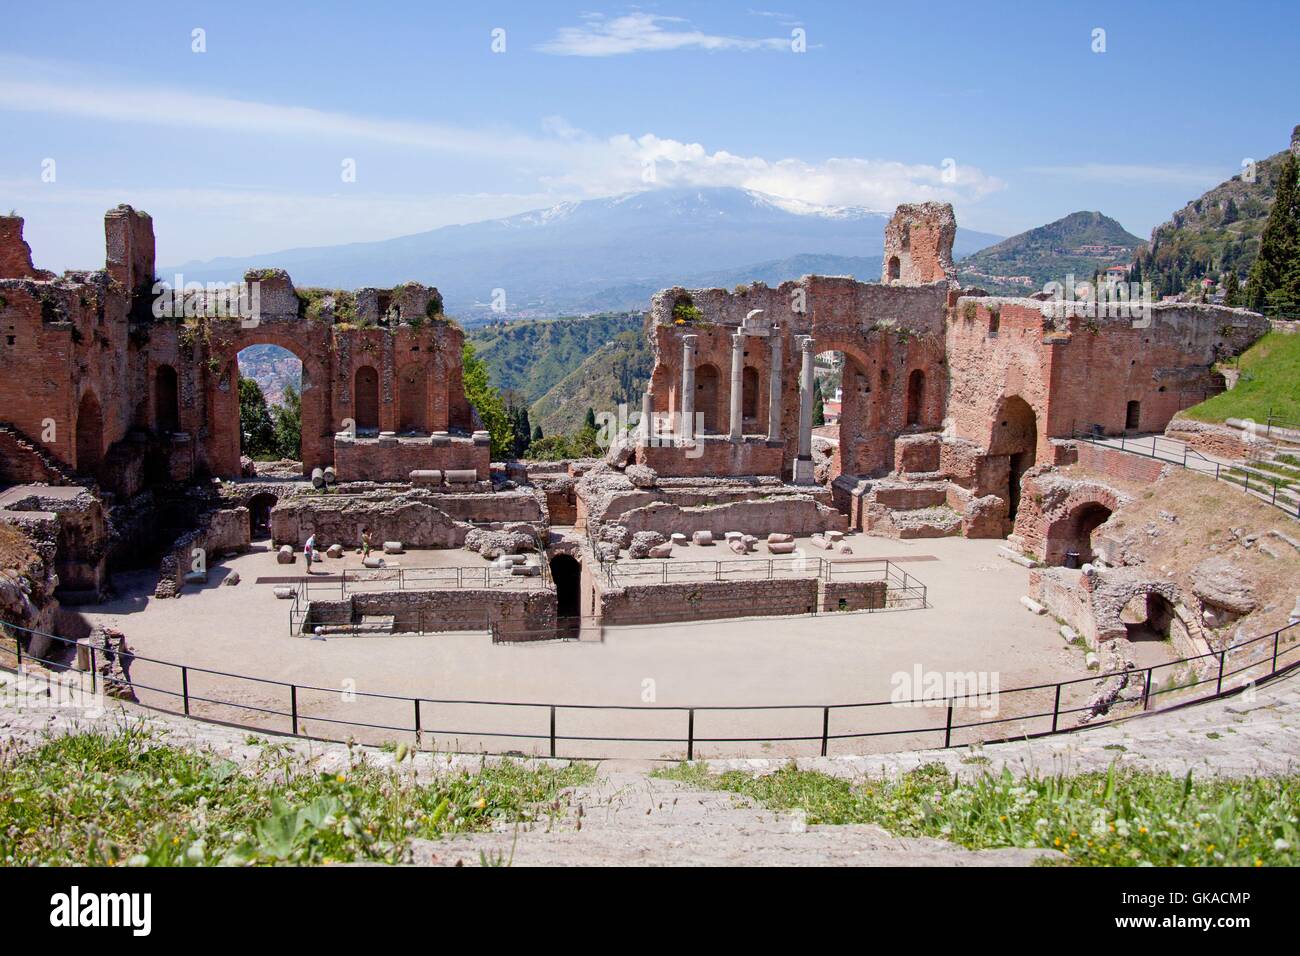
[(806, 351)]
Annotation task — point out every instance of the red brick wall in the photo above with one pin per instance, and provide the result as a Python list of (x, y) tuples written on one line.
[(1118, 464)]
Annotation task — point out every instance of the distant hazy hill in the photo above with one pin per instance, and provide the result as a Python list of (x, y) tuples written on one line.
[(585, 257), (616, 373), (1078, 244), (532, 355), (1215, 233)]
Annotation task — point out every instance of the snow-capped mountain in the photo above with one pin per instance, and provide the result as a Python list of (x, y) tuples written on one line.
[(557, 260)]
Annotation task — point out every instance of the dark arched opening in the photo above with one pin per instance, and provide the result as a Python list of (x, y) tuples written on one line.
[(1083, 521), (1148, 617), (895, 267), (166, 398), (706, 397), (566, 573), (90, 433), (915, 397), (1015, 434), (259, 515), (365, 397)]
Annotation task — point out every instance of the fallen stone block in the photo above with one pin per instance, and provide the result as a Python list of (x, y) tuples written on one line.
[(196, 577), (285, 555), (1016, 557), (777, 537), (732, 535), (461, 476), (1091, 661), (392, 547), (845, 549), (231, 579), (426, 476), (664, 550), (702, 537), (1068, 634), (1033, 606), (679, 538), (335, 551), (282, 591), (738, 545), (525, 570), (835, 537), (780, 547), (374, 561)]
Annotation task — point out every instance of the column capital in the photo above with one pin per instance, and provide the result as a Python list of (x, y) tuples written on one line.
[(805, 343)]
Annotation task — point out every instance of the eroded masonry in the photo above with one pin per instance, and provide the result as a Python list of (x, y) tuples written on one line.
[(958, 415)]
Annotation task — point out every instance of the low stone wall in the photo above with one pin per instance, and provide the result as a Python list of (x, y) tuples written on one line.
[(520, 615), (708, 600), (373, 459), (416, 519), (787, 514), (1209, 439), (1114, 463), (855, 595), (715, 456), (219, 532)]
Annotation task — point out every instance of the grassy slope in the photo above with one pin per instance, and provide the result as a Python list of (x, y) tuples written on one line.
[(125, 797), (1120, 818), (531, 356), (1270, 379)]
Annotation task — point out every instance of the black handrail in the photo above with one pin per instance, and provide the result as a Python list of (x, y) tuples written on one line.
[(296, 716)]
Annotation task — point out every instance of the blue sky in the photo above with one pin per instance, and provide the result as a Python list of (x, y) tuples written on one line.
[(241, 148)]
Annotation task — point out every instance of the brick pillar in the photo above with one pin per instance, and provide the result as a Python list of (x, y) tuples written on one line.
[(737, 386), (774, 390), (688, 389)]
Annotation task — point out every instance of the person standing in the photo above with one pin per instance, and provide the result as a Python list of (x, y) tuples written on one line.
[(309, 551)]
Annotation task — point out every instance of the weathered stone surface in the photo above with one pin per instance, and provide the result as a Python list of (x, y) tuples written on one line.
[(493, 544), (642, 542), (1218, 582), (285, 554), (641, 476)]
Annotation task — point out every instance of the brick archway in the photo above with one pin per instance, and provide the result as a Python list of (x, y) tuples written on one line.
[(308, 342), (1073, 531)]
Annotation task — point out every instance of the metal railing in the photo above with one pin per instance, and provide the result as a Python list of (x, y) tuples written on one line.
[(1271, 489), (372, 580), (1229, 670)]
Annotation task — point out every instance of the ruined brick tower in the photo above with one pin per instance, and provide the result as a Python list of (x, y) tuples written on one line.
[(918, 244)]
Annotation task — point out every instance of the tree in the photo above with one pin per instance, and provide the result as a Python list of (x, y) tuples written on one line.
[(819, 404), (590, 420), (488, 402), (1231, 288), (288, 424), (256, 430), (537, 433), (1275, 274)]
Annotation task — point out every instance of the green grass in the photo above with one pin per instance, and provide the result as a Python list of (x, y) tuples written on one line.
[(126, 798), (1270, 376), (1116, 818)]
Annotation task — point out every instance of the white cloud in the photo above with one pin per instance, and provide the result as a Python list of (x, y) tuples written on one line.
[(562, 163), (646, 33)]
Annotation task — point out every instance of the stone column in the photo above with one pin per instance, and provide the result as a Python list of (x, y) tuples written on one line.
[(737, 386), (647, 419), (687, 429), (803, 466), (774, 390)]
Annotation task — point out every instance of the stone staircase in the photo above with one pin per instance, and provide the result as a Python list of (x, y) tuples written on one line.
[(24, 462)]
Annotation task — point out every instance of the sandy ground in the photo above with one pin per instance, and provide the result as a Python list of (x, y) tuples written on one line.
[(974, 630)]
